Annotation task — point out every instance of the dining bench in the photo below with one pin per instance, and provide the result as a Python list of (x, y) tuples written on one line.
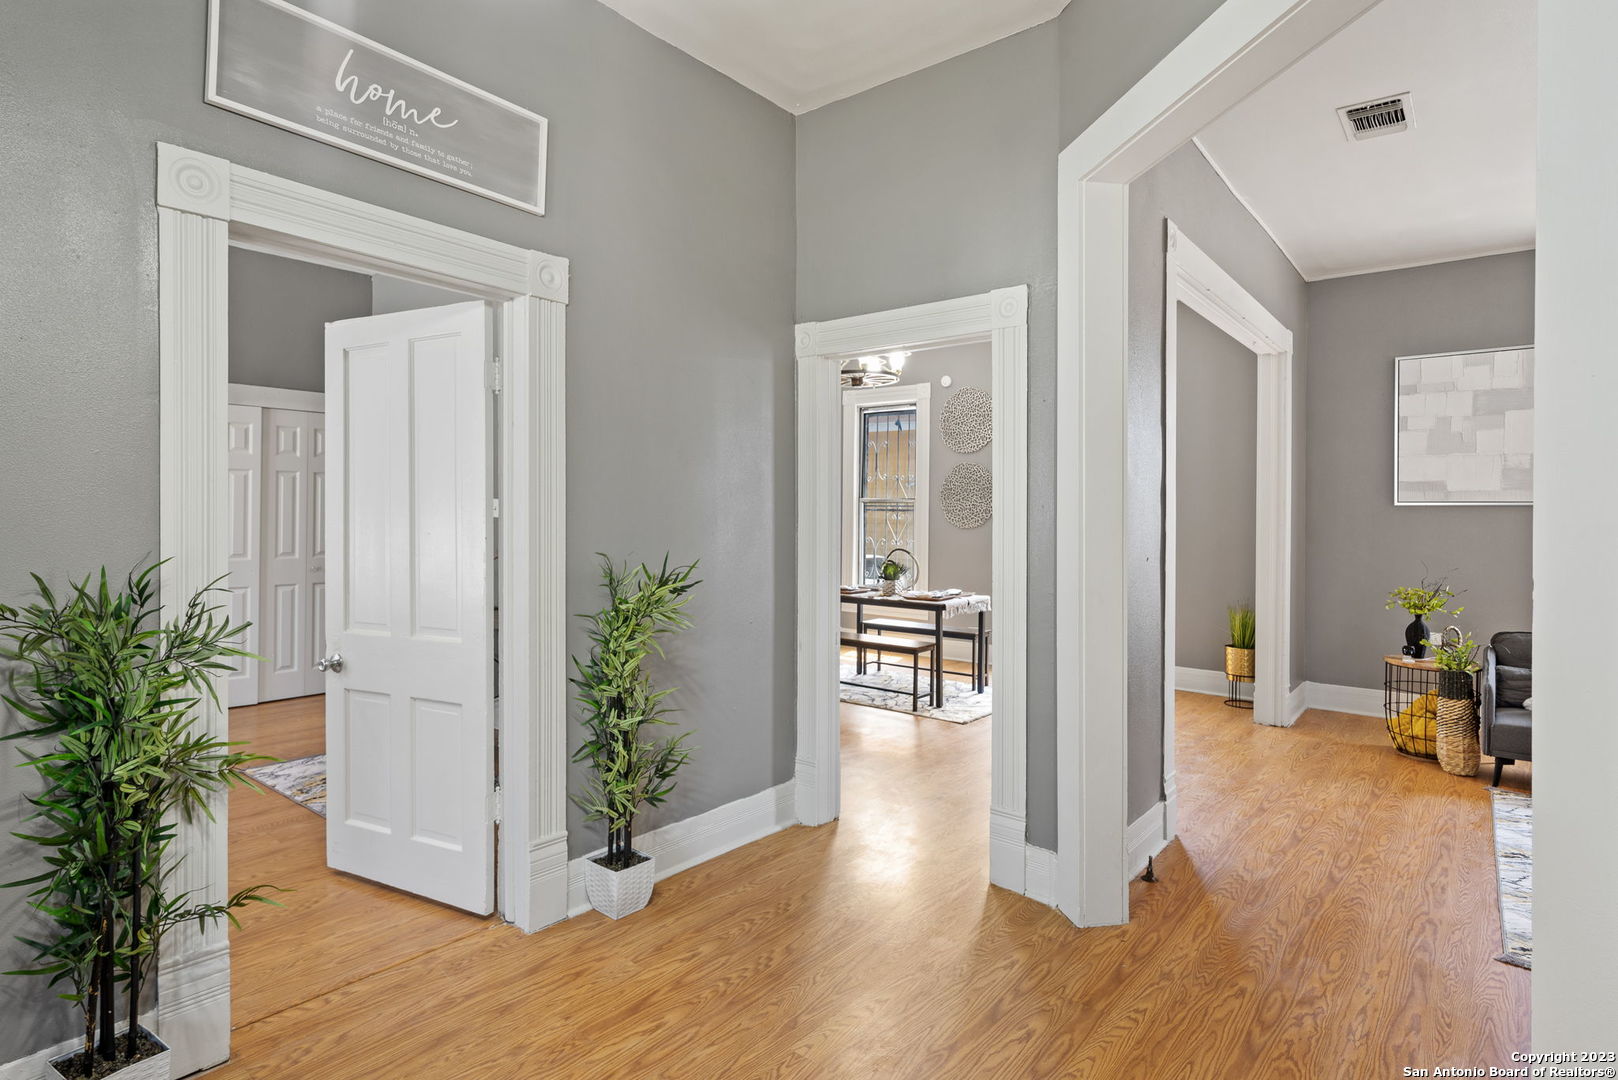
[(915, 648), (979, 640)]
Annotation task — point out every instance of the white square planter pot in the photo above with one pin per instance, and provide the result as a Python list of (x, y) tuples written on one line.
[(156, 1067), (616, 893)]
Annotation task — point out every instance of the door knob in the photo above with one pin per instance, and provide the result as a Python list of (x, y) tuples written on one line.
[(334, 662)]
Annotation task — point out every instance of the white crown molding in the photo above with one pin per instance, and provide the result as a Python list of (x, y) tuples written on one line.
[(1252, 211), (1383, 268)]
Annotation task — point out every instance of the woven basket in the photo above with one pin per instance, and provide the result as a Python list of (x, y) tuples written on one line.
[(1457, 728), (1238, 662)]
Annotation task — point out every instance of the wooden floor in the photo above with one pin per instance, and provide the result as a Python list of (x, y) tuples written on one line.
[(1329, 913), (334, 929)]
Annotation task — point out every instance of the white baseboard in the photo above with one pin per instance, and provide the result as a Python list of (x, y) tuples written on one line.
[(1039, 875), (681, 845), (1146, 837), (1200, 681), (1008, 841), (1297, 704), (1355, 700)]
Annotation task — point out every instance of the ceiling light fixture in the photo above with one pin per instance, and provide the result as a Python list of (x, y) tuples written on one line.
[(876, 370)]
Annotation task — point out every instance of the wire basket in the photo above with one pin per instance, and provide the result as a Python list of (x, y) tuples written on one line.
[(1410, 700)]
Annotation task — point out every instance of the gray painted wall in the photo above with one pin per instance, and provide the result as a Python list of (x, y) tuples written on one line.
[(943, 184), (671, 189), (1360, 544), (961, 558), (1107, 45), (1216, 459), (1184, 187), (279, 309)]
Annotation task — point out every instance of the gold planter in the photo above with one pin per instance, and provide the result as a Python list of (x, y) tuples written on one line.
[(1238, 662)]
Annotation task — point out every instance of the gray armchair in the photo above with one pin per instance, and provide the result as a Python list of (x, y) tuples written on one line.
[(1506, 727)]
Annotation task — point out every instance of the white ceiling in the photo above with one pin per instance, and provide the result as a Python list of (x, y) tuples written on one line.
[(1458, 183), (802, 54)]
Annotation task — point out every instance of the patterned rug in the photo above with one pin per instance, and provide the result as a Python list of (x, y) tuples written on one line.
[(1514, 865), (303, 780), (890, 689)]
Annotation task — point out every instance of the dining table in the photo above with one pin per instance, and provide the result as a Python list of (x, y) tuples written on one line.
[(940, 607)]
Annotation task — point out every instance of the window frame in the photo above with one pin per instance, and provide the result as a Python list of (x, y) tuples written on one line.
[(855, 403)]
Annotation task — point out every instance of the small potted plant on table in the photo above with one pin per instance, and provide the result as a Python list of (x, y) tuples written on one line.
[(889, 574), (629, 770), (1456, 728), (1420, 601), (116, 691)]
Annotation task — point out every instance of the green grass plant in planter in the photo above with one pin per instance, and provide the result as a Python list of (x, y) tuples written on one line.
[(1239, 649), (629, 769), (112, 692)]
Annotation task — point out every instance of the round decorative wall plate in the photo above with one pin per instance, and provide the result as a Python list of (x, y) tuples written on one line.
[(967, 496), (967, 420)]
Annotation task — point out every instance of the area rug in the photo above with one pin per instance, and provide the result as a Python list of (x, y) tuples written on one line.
[(303, 780), (890, 689), (1514, 866)]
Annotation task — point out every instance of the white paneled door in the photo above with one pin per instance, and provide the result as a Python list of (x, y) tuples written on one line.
[(409, 739), (244, 430), (291, 625)]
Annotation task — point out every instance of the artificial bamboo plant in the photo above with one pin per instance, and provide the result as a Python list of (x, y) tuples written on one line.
[(114, 690), (629, 770)]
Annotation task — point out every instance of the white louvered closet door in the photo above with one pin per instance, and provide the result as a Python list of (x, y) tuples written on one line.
[(291, 604), (244, 429)]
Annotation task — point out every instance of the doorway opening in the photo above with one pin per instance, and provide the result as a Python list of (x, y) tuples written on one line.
[(205, 205), (868, 473), (1227, 429), (288, 514)]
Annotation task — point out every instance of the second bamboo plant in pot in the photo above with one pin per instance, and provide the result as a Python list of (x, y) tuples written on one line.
[(114, 692), (1456, 728), (630, 769), (1239, 651)]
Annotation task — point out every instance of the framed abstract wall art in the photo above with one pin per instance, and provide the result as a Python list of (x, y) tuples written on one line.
[(1464, 428)]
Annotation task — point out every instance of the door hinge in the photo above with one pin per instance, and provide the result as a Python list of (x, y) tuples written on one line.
[(497, 376), (494, 804), (495, 507)]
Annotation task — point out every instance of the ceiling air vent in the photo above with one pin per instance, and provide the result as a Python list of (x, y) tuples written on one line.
[(1381, 116)]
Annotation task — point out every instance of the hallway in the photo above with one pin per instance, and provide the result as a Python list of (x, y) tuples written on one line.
[(1331, 913)]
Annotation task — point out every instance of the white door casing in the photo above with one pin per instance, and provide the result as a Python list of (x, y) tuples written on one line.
[(1238, 48), (244, 450), (409, 717), (1194, 279), (205, 204), (292, 570), (1001, 318)]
